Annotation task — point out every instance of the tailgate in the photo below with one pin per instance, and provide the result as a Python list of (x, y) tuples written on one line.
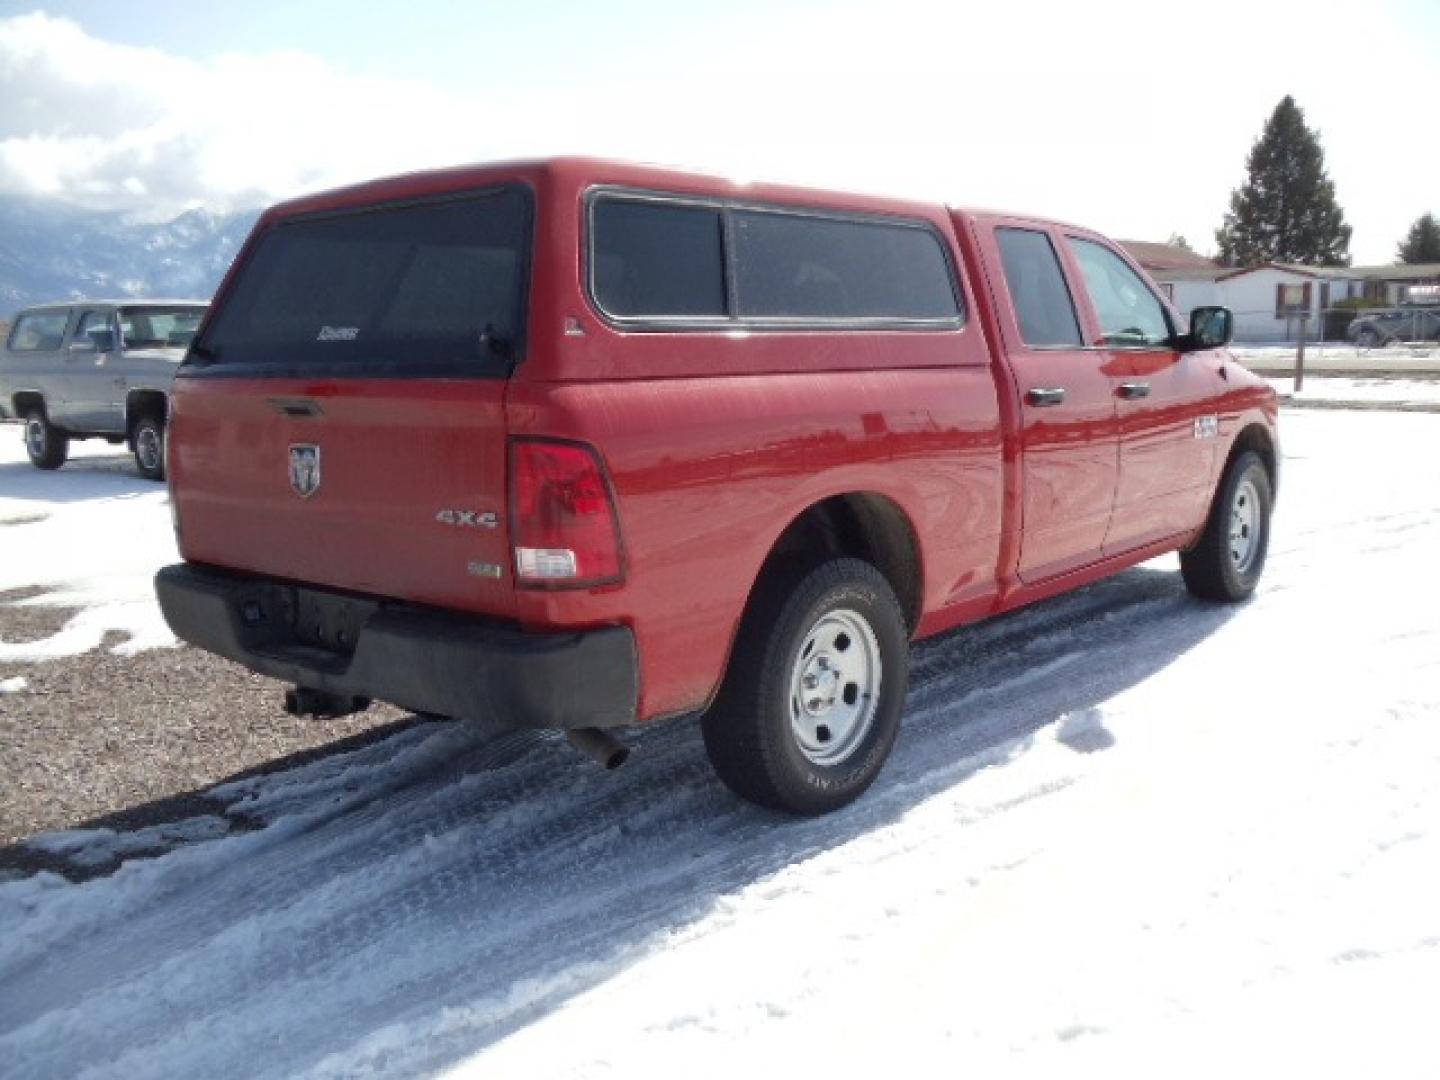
[(340, 420), (389, 487)]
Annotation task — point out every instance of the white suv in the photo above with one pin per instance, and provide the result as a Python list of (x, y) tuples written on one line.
[(96, 369)]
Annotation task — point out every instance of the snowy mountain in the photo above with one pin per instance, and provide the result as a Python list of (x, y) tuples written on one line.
[(51, 250)]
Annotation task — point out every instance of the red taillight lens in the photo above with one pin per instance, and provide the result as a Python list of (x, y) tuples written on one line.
[(562, 519)]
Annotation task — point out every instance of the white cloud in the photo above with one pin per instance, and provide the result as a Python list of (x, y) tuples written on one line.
[(118, 126), (1126, 116)]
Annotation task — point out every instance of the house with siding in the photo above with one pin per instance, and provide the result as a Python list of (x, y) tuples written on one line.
[(1268, 300)]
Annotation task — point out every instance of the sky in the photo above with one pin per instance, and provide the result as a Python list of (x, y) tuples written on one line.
[(1132, 118)]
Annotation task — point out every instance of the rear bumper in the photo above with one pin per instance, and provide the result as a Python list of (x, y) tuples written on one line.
[(418, 658)]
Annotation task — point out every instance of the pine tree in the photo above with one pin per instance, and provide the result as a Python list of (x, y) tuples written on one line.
[(1422, 242), (1286, 210)]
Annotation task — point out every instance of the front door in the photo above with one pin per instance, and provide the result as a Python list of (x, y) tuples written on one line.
[(1068, 419), (1167, 429), (96, 390)]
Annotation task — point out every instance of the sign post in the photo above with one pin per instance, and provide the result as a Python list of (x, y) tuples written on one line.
[(1300, 355)]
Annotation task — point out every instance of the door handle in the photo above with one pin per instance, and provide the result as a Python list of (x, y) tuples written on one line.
[(1040, 396), (1132, 390)]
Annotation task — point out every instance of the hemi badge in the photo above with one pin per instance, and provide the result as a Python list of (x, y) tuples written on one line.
[(484, 569)]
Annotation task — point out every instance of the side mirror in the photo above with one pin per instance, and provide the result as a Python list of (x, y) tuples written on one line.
[(1210, 328)]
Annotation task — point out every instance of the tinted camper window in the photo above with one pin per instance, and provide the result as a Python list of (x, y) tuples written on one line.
[(790, 266), (428, 288), (658, 260)]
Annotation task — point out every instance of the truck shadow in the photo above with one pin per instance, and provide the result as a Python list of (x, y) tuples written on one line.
[(436, 875)]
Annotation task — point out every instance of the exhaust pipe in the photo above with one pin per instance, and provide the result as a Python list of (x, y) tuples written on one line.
[(601, 747), (306, 701)]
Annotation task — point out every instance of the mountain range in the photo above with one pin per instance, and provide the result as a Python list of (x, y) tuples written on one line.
[(53, 250)]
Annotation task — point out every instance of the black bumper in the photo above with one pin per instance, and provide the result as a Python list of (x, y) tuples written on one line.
[(418, 658)]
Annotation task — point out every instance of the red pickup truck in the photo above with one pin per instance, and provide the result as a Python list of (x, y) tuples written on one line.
[(578, 445)]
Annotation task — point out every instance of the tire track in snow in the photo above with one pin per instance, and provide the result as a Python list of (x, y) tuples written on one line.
[(505, 889)]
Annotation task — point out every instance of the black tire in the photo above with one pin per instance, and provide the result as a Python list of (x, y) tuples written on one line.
[(148, 440), (1368, 338), (751, 731), (1227, 562), (46, 444)]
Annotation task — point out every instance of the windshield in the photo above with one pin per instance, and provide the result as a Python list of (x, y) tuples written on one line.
[(159, 327), (428, 288)]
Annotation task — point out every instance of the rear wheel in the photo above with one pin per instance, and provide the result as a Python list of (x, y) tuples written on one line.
[(1367, 338), (46, 444), (150, 447), (1227, 561), (812, 701)]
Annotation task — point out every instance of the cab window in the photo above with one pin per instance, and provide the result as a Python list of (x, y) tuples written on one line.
[(1129, 313), (1043, 306), (91, 324)]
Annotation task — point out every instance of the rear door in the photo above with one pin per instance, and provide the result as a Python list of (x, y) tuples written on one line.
[(1168, 426), (1068, 417), (341, 420)]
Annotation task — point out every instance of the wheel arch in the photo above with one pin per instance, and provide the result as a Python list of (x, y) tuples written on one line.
[(1257, 437), (140, 404), (24, 400), (859, 524)]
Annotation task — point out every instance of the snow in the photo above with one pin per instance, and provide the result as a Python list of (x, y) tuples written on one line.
[(1360, 391), (1123, 833), (95, 847), (1421, 358), (13, 686), (89, 538)]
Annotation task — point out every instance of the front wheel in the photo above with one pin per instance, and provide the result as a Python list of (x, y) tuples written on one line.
[(812, 701), (1368, 338), (1226, 563), (150, 447), (46, 445)]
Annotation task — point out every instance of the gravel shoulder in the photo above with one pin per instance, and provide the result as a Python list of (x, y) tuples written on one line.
[(103, 741)]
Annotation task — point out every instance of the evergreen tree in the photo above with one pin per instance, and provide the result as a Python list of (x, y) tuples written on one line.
[(1179, 241), (1286, 210), (1422, 242)]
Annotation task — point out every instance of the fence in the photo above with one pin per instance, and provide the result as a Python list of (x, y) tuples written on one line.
[(1349, 340)]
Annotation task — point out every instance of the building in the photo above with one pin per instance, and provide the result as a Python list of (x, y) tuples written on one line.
[(1269, 301)]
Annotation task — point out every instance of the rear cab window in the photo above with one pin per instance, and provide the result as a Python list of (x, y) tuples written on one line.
[(431, 288), (1044, 308), (665, 262)]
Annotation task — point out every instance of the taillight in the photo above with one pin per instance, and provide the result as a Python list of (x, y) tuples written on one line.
[(562, 517)]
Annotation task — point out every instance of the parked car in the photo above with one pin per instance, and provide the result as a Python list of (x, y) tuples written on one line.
[(1375, 328), (95, 369), (580, 445)]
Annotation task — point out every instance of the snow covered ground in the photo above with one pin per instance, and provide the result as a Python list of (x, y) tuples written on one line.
[(1327, 390), (1341, 356), (89, 537), (1123, 833)]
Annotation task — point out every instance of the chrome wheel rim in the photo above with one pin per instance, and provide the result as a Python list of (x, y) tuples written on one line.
[(147, 448), (35, 437), (835, 687), (1244, 526)]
